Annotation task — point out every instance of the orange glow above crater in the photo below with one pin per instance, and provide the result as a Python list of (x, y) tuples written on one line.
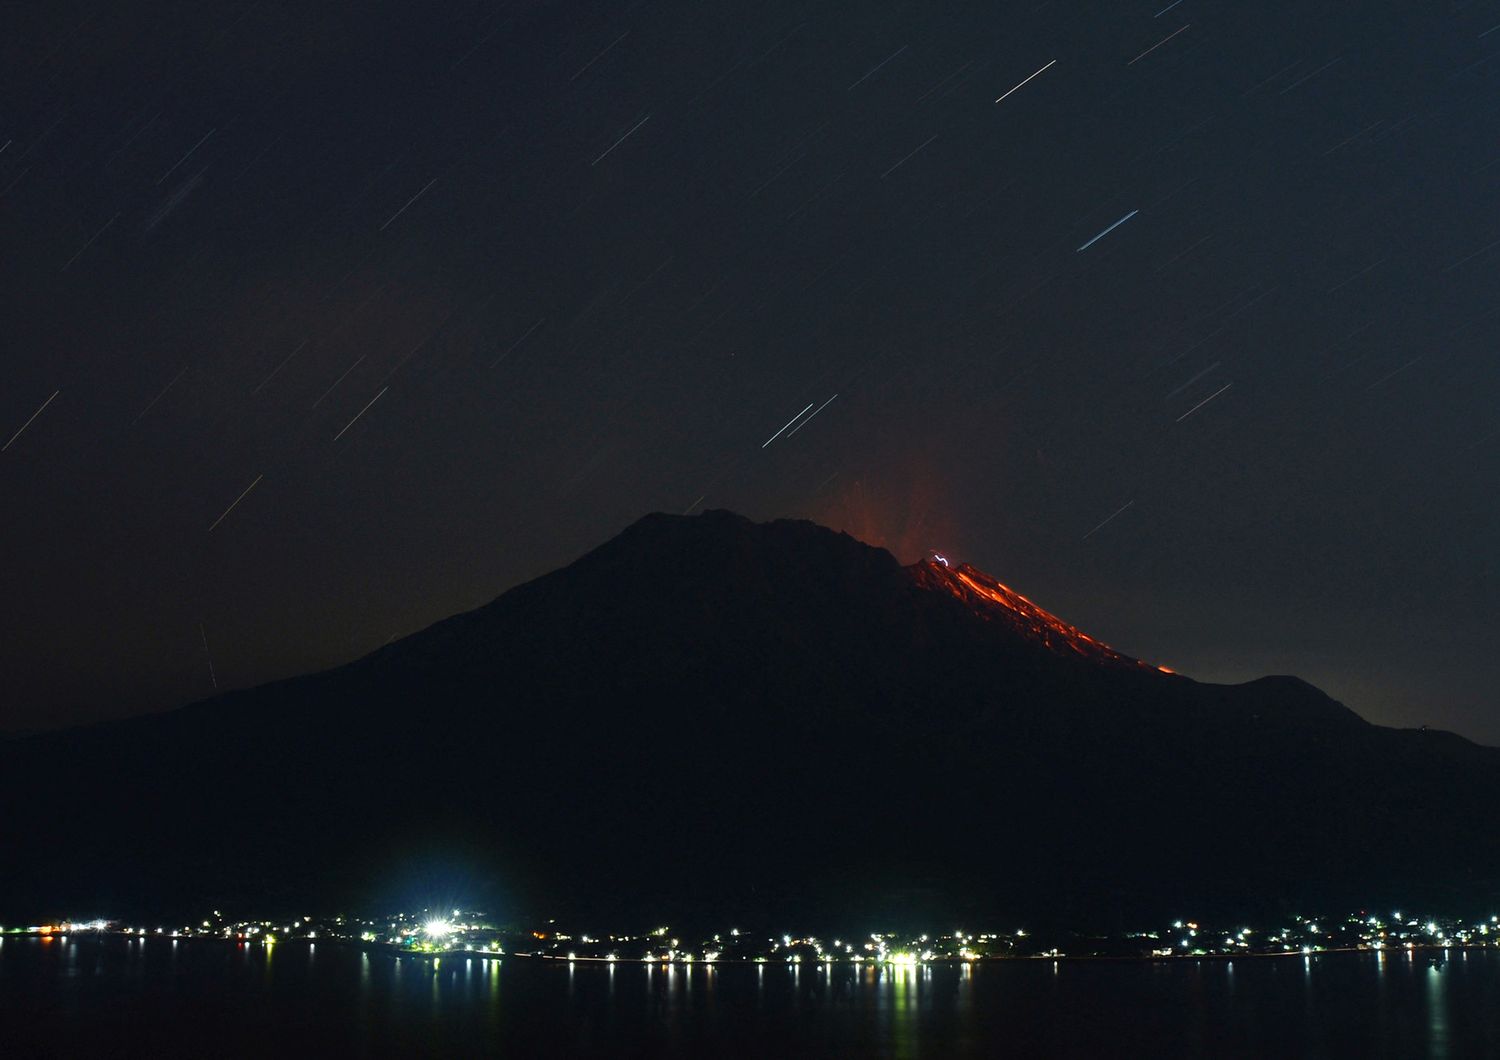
[(906, 510)]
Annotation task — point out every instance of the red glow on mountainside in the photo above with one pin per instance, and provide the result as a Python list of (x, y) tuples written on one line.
[(992, 600)]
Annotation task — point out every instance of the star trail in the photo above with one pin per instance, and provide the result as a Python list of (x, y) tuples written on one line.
[(353, 317)]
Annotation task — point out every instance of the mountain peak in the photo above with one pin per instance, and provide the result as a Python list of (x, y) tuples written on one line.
[(665, 540)]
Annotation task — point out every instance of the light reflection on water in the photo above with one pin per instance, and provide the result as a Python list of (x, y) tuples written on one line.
[(1335, 1004), (900, 998), (1437, 1012)]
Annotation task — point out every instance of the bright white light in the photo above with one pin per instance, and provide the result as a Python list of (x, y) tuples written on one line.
[(437, 929)]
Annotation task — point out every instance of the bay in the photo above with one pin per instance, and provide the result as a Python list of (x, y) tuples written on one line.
[(111, 996)]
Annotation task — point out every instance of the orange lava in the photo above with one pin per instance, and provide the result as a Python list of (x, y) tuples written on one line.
[(984, 594)]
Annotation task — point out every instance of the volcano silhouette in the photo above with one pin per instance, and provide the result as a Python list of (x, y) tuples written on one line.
[(712, 718)]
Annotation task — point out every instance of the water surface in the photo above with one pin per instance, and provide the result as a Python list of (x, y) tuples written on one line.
[(86, 995)]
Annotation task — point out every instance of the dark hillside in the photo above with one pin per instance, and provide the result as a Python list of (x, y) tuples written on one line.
[(708, 716)]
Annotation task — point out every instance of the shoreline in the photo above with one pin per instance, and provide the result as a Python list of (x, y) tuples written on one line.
[(402, 953)]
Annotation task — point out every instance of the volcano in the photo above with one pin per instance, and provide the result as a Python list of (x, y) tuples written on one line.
[(711, 717)]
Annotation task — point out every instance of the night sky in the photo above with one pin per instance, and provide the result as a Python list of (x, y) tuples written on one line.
[(1192, 337)]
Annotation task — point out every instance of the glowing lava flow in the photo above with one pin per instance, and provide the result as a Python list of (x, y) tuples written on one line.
[(984, 594)]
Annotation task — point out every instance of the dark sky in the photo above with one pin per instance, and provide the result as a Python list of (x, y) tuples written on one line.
[(458, 290)]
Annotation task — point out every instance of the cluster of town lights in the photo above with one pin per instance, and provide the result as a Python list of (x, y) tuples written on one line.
[(455, 931)]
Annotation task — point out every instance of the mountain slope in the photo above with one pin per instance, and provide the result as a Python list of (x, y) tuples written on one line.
[(716, 717)]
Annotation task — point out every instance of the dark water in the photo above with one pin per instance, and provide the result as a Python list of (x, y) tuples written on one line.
[(111, 996)]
